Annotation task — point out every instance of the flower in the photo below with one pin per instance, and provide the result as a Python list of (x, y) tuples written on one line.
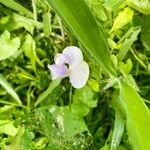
[(77, 69)]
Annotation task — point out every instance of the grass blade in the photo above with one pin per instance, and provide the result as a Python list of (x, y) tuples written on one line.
[(49, 90), (76, 14), (119, 123), (138, 117), (14, 5), (9, 89)]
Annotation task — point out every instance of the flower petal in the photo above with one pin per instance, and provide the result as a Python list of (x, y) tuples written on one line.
[(79, 75), (58, 71), (73, 55), (60, 59)]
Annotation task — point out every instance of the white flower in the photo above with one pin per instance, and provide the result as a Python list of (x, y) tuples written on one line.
[(78, 70)]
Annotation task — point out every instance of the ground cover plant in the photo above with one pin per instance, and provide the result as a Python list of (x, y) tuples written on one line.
[(74, 74)]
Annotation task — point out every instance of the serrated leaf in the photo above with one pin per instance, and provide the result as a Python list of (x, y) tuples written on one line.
[(68, 123), (8, 47)]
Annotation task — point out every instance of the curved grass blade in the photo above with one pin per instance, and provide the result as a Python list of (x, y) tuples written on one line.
[(49, 90), (137, 115), (16, 6), (9, 89), (76, 14)]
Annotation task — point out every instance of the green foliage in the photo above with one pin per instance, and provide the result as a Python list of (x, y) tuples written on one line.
[(8, 47), (111, 111), (9, 89), (145, 31), (85, 28), (142, 6), (124, 17), (135, 109)]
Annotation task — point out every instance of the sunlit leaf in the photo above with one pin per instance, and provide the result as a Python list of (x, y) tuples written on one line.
[(8, 47), (8, 128), (124, 17), (16, 143), (137, 117)]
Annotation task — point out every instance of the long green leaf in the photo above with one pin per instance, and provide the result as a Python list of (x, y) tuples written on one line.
[(9, 89), (16, 6), (49, 90), (76, 14), (137, 116), (119, 123)]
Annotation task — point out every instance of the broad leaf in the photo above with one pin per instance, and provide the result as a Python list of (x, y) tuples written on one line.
[(83, 101), (7, 127), (68, 123)]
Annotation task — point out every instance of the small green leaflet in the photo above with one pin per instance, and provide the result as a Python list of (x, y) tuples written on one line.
[(8, 47)]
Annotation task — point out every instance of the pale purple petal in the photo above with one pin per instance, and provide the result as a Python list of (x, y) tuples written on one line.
[(60, 59), (73, 55), (79, 75), (58, 71)]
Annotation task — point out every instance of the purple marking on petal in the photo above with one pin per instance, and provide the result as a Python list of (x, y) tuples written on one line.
[(58, 71)]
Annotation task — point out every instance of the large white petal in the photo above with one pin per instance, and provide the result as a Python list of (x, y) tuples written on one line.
[(73, 55), (79, 75)]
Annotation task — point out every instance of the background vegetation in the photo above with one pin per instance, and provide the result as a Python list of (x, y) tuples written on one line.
[(108, 113)]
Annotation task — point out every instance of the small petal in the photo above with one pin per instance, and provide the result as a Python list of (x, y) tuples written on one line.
[(60, 59), (58, 71), (79, 75), (73, 55)]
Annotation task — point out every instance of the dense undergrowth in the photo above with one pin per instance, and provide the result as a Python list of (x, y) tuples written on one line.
[(38, 113)]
